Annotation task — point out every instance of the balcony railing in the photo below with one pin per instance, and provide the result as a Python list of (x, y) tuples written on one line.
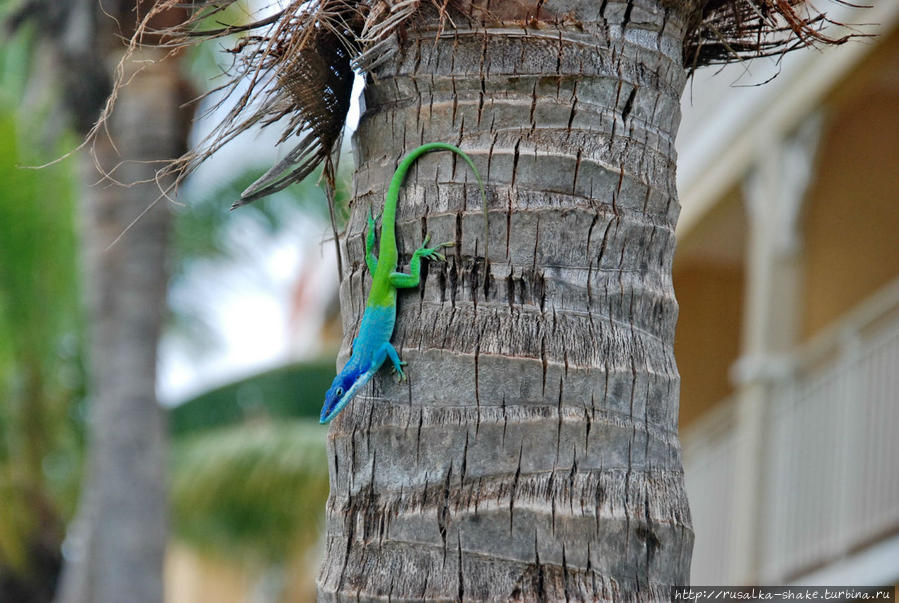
[(710, 449), (830, 478)]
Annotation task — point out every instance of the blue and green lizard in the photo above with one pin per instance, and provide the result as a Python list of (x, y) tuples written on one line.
[(372, 345)]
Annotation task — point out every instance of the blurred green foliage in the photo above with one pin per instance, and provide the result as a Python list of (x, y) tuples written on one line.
[(289, 392), (254, 491), (249, 469), (250, 474), (41, 365)]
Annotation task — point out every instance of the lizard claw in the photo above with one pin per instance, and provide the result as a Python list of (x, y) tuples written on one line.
[(399, 370), (432, 253), (439, 255)]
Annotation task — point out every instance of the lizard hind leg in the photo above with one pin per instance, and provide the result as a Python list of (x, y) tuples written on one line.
[(405, 281)]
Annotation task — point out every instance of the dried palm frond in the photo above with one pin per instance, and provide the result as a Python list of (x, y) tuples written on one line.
[(319, 80), (379, 37), (728, 31), (295, 67)]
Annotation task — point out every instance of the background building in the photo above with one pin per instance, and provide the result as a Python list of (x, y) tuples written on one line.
[(787, 275)]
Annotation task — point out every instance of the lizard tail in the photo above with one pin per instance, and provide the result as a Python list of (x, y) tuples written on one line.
[(400, 175)]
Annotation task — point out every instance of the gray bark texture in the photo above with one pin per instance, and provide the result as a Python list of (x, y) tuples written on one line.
[(533, 452), (116, 546)]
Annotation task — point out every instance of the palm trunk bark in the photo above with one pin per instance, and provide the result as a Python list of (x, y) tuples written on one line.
[(533, 454), (116, 547)]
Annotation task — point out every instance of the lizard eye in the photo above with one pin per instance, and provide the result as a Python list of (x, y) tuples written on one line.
[(339, 392)]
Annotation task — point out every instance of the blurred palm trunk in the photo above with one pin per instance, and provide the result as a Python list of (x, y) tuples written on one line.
[(115, 548), (533, 454)]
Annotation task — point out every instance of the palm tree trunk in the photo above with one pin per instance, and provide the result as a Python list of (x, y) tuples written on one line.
[(116, 547), (533, 454)]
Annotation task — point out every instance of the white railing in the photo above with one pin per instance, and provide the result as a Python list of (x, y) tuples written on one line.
[(833, 456), (709, 464), (830, 479)]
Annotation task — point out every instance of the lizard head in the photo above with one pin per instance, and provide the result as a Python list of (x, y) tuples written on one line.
[(342, 390)]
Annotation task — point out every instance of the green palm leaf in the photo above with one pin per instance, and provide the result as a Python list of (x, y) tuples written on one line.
[(256, 490)]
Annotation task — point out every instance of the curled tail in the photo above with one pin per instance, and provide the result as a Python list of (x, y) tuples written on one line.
[(399, 176)]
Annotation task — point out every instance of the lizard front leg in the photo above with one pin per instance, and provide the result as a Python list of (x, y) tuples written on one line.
[(405, 281), (388, 351)]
